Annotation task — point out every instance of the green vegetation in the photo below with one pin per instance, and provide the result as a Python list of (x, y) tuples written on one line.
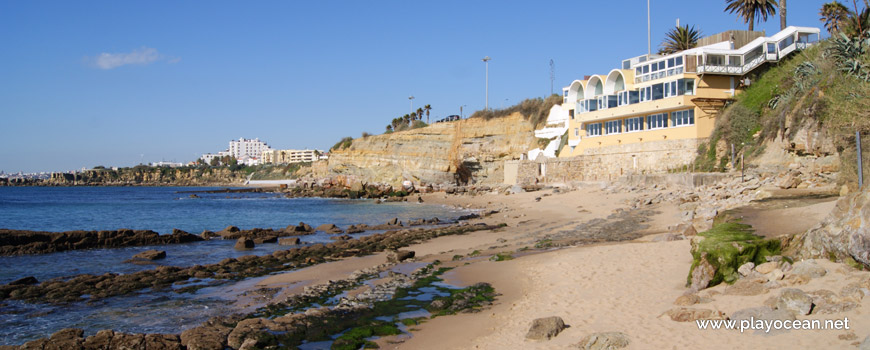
[(727, 246), (502, 257), (356, 337), (544, 243), (410, 121), (535, 110), (750, 11), (345, 142), (679, 39), (469, 298), (827, 84)]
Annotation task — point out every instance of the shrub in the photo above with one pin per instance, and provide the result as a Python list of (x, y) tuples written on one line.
[(535, 110), (342, 144)]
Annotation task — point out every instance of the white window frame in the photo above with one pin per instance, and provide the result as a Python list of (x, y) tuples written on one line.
[(657, 121), (685, 117)]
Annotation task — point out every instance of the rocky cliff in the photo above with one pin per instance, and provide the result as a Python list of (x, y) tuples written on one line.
[(844, 235), (471, 150)]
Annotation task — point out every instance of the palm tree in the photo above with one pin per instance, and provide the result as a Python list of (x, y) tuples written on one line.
[(750, 10), (834, 15), (679, 39), (419, 113), (858, 24), (782, 8), (427, 108)]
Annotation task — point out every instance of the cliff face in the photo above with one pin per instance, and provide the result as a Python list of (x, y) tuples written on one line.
[(474, 149), (150, 177)]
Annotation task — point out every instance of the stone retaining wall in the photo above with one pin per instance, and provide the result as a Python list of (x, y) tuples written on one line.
[(608, 163)]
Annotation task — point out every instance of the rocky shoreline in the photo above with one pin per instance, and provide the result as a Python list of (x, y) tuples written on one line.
[(60, 290), (20, 242)]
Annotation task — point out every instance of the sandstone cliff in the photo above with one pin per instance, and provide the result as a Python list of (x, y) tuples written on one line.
[(474, 149)]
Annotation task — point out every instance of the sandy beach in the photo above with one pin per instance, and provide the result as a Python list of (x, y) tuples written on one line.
[(606, 287)]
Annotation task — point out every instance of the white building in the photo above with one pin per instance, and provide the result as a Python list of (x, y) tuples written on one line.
[(247, 147), (557, 124), (241, 149)]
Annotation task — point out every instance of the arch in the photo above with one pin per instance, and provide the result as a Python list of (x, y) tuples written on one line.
[(594, 87), (614, 83), (575, 91)]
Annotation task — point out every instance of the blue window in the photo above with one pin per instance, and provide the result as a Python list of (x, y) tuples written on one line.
[(593, 129)]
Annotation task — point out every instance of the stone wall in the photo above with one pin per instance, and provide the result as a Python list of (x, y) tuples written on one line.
[(610, 163)]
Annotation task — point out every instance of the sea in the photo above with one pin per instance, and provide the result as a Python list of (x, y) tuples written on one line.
[(160, 209)]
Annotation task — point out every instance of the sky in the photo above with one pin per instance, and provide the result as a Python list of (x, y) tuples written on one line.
[(119, 83)]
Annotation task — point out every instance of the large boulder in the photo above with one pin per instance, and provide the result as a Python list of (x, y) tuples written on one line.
[(545, 328), (244, 244), (289, 241), (795, 301), (844, 234), (399, 256)]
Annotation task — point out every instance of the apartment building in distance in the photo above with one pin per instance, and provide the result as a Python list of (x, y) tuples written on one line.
[(246, 151), (286, 156), (650, 99)]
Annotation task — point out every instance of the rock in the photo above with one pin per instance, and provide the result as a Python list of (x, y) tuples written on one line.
[(204, 338), (685, 229), (516, 189), (763, 313), (865, 345), (393, 222), (329, 228), (746, 287), (766, 267), (356, 229), (231, 229), (399, 256), (604, 341), (702, 275), (809, 268), (67, 338), (151, 254), (685, 314), (244, 244), (667, 237), (775, 275), (844, 234), (162, 342), (545, 328), (746, 269), (687, 300), (795, 301), (289, 241), (265, 239), (302, 228), (29, 280)]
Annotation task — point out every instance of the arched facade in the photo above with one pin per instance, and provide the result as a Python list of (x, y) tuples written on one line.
[(594, 87), (614, 83), (575, 92)]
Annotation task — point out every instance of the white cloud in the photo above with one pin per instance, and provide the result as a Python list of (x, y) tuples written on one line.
[(141, 56)]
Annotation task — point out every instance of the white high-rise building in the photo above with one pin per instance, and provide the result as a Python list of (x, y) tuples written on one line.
[(246, 147)]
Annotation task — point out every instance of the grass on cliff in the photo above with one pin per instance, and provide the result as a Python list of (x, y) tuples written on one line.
[(727, 246), (811, 86), (535, 110)]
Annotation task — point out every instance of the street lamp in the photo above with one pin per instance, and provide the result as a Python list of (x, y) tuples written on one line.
[(461, 115), (486, 61), (411, 99)]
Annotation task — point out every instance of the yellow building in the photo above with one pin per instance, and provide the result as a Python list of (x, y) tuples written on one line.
[(672, 97), (286, 156)]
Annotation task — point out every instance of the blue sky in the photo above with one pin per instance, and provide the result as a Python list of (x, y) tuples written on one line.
[(117, 83)]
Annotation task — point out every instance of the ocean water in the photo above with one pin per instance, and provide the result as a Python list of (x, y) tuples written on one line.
[(160, 209)]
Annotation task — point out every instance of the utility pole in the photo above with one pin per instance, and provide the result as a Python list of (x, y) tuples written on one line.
[(411, 99), (648, 40), (552, 74), (486, 61)]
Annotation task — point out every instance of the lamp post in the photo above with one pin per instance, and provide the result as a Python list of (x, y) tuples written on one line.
[(411, 99), (461, 115), (486, 61)]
